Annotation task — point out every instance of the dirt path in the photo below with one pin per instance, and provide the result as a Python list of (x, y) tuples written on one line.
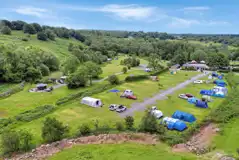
[(199, 142), (44, 151), (160, 96)]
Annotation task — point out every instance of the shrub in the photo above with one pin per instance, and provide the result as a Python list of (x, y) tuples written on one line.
[(235, 69), (124, 70), (25, 140), (42, 36), (84, 130), (172, 138), (6, 30), (113, 79), (28, 28), (25, 39), (130, 61), (44, 70), (129, 122), (53, 130), (119, 126), (159, 72), (136, 78), (129, 67)]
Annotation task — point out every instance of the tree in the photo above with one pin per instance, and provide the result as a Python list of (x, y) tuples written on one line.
[(155, 62), (18, 25), (218, 60), (50, 34), (84, 130), (6, 23), (149, 124), (70, 65), (93, 70), (33, 74), (124, 70), (70, 47), (113, 79), (10, 141), (78, 78), (199, 55), (44, 70), (53, 130), (37, 27), (6, 30), (25, 140), (42, 36), (28, 28), (129, 122)]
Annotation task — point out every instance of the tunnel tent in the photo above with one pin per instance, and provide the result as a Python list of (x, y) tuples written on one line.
[(174, 124), (201, 104), (93, 102), (184, 116), (192, 100)]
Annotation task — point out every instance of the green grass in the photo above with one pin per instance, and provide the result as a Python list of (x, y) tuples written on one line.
[(75, 114), (228, 140), (128, 151), (5, 86), (59, 47)]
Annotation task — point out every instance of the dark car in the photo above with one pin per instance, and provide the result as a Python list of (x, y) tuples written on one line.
[(113, 107), (121, 108)]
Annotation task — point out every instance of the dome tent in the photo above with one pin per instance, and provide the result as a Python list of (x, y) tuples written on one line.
[(176, 124), (192, 100), (201, 104), (91, 102), (220, 83), (184, 116)]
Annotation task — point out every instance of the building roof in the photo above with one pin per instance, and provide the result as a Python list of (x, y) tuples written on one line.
[(198, 65)]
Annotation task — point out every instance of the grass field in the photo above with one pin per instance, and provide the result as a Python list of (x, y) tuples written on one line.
[(120, 152), (59, 47), (75, 114)]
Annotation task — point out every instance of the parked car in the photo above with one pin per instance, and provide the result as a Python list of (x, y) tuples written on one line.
[(189, 95), (183, 96), (121, 108), (131, 97), (198, 82), (113, 107)]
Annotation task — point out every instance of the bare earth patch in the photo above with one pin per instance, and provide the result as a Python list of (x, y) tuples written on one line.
[(44, 151), (199, 142)]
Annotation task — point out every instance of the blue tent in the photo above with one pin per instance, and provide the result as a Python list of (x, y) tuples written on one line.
[(184, 116), (201, 104), (220, 77), (114, 90), (214, 74), (178, 125), (192, 100), (220, 83), (207, 92)]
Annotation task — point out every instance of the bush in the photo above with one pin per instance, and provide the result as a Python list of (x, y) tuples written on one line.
[(119, 126), (13, 90), (53, 130), (129, 67), (28, 28), (25, 39), (124, 70), (14, 141), (136, 78), (159, 72), (6, 30), (113, 79), (84, 130), (235, 70), (130, 61), (42, 36), (129, 122), (223, 71), (35, 113), (44, 70)]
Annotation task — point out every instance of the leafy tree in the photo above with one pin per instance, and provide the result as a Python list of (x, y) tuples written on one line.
[(53, 130), (50, 34), (44, 70), (10, 141), (70, 65), (28, 28), (6, 23), (113, 79), (6, 30), (25, 140), (37, 27), (129, 122), (84, 130), (42, 36), (78, 78), (119, 126), (218, 60), (79, 36), (199, 55), (124, 70), (18, 25), (33, 74), (93, 70), (155, 62)]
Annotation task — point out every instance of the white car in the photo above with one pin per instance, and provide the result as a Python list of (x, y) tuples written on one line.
[(113, 107), (198, 82)]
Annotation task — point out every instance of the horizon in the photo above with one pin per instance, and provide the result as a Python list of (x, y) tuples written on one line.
[(184, 17)]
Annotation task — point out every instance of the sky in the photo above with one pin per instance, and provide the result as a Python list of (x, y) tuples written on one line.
[(172, 16)]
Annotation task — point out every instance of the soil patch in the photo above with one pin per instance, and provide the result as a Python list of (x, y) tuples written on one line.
[(200, 142), (44, 151)]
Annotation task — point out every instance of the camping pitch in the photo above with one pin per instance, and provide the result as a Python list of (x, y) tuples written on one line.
[(184, 116), (176, 124)]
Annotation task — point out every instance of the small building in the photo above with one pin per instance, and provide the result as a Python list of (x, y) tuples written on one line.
[(93, 102), (41, 86), (197, 66)]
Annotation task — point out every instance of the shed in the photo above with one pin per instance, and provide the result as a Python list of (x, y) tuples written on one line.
[(41, 86), (201, 104), (93, 102), (176, 124), (184, 116)]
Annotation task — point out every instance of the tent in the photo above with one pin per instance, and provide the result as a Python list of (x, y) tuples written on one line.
[(176, 124), (220, 77), (41, 86), (92, 102), (207, 92), (184, 116), (220, 89), (207, 98), (127, 92), (214, 74), (192, 100), (201, 104), (220, 83)]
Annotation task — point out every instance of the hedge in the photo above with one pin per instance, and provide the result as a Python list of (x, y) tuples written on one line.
[(235, 69), (136, 78), (13, 90), (159, 72), (223, 71)]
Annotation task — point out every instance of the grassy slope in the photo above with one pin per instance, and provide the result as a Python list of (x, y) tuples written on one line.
[(59, 47), (120, 152), (75, 113)]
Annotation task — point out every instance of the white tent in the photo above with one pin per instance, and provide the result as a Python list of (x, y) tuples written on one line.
[(92, 102), (128, 92)]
